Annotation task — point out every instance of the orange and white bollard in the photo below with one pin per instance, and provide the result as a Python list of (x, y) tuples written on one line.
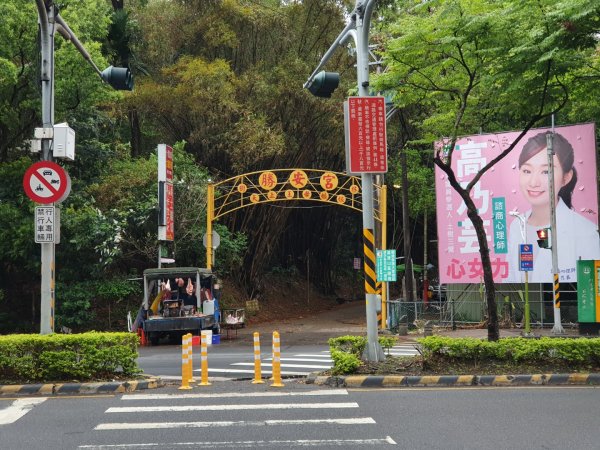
[(276, 361), (257, 371), (190, 348), (204, 360), (186, 362)]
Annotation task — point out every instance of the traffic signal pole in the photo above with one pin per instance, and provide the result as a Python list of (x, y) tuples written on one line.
[(557, 328), (47, 31), (358, 29), (50, 22)]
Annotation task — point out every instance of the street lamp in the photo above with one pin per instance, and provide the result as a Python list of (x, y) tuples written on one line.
[(119, 78), (523, 227)]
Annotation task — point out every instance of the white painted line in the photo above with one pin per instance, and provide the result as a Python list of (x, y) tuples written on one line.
[(251, 444), (297, 366), (230, 423), (235, 407), (18, 409), (303, 359), (233, 395), (315, 356), (264, 372)]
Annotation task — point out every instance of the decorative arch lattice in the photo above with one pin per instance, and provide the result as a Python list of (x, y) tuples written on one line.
[(285, 185)]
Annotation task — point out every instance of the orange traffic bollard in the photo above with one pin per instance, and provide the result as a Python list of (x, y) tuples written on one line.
[(204, 360), (276, 361), (185, 362), (190, 350), (257, 372)]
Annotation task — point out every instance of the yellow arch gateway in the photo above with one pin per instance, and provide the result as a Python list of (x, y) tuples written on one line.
[(284, 185)]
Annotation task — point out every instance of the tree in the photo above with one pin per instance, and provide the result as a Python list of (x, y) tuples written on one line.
[(483, 64)]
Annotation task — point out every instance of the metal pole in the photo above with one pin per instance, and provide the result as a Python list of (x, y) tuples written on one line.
[(373, 351), (557, 328), (386, 286), (209, 219), (47, 31)]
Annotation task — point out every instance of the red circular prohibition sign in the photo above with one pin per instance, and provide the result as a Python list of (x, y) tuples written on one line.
[(45, 182)]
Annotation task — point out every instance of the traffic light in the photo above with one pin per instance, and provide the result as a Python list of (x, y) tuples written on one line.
[(324, 83), (119, 78), (544, 237)]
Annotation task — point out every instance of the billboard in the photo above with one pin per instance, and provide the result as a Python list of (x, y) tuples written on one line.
[(513, 201)]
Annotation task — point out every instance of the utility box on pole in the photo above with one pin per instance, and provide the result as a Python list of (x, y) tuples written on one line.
[(64, 142)]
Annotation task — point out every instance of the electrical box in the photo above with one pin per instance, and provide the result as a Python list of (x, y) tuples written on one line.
[(35, 145), (64, 142)]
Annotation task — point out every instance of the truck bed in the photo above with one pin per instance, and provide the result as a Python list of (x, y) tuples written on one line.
[(188, 323)]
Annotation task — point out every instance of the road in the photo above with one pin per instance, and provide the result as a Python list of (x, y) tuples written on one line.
[(242, 415), (235, 360), (304, 347)]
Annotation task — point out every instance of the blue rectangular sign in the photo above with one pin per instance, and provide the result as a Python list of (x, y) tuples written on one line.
[(525, 257)]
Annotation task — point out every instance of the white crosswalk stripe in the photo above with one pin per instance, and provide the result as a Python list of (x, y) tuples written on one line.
[(18, 409), (342, 428), (403, 350), (300, 364)]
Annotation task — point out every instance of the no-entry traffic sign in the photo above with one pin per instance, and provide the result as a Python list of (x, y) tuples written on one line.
[(46, 182)]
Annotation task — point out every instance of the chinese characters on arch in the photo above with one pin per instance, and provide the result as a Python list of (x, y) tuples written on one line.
[(513, 201)]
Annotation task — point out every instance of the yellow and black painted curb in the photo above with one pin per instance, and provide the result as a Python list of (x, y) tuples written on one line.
[(114, 387), (362, 381)]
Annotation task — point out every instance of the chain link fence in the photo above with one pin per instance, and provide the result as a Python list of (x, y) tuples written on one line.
[(466, 305)]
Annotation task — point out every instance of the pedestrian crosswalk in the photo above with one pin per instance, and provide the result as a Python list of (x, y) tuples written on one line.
[(300, 364), (275, 419)]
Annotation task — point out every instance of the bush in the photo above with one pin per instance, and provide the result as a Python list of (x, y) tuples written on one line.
[(346, 352), (58, 357), (514, 350)]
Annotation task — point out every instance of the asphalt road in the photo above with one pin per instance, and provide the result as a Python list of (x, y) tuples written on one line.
[(243, 415), (236, 360)]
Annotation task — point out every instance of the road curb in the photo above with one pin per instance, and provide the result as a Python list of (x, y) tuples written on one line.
[(355, 381), (113, 387)]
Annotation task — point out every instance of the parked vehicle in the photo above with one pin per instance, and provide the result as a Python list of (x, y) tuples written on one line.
[(169, 312)]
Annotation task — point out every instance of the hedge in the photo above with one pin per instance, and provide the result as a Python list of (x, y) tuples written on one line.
[(346, 352), (26, 358), (542, 350)]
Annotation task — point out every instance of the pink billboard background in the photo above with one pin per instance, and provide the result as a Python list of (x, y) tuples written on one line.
[(497, 194)]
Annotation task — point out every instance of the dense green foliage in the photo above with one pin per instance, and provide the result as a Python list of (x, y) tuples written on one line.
[(542, 350), (81, 357)]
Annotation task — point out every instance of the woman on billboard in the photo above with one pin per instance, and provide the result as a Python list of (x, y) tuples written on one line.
[(577, 237)]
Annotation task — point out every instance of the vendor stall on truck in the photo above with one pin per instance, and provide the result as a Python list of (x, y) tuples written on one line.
[(177, 301)]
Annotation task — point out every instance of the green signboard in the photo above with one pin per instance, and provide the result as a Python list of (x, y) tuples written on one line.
[(499, 221), (587, 287), (386, 265)]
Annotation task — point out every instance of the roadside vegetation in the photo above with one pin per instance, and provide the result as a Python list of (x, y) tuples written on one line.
[(471, 356), (30, 358)]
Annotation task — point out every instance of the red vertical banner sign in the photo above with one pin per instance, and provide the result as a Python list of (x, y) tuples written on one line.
[(166, 206), (366, 140)]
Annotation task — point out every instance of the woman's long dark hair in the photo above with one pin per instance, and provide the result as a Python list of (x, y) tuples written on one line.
[(566, 157)]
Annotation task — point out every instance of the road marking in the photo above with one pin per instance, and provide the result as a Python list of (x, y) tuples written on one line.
[(328, 360), (236, 407), (18, 409), (264, 372), (252, 444), (232, 395), (301, 366), (315, 356), (230, 423)]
